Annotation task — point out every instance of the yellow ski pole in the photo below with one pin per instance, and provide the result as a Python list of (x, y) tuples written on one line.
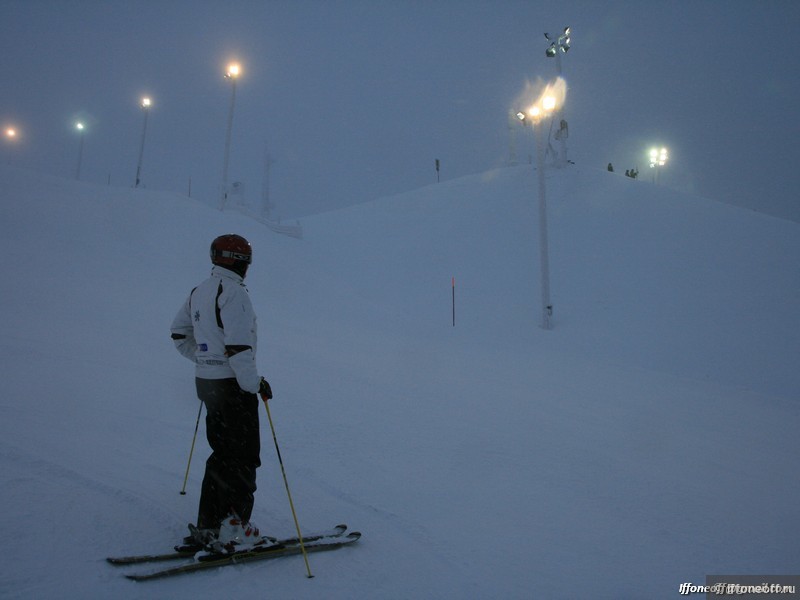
[(286, 484)]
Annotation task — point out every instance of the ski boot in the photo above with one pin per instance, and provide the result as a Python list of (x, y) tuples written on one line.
[(235, 536)]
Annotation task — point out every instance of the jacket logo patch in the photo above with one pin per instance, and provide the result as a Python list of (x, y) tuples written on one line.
[(196, 315)]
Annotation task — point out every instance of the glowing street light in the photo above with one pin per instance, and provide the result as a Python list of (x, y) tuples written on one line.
[(146, 109), (544, 107), (232, 73), (81, 128), (658, 158)]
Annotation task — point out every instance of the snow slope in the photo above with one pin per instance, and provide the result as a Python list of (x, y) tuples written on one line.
[(645, 441)]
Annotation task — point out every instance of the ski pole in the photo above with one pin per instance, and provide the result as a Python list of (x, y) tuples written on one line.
[(194, 437), (286, 484)]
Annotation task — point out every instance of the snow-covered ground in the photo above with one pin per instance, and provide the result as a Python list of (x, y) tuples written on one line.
[(645, 441)]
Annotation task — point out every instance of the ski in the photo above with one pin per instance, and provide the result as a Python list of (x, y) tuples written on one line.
[(211, 561), (144, 558), (337, 531)]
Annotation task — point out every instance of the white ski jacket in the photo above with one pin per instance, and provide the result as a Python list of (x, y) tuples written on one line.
[(216, 329)]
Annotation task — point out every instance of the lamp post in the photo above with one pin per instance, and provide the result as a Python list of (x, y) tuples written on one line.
[(541, 109), (558, 46), (658, 158), (81, 128), (11, 135), (146, 109), (232, 73)]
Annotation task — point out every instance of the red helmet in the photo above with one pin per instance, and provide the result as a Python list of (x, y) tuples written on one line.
[(232, 252)]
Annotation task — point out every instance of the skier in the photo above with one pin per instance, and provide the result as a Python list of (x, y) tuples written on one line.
[(216, 329)]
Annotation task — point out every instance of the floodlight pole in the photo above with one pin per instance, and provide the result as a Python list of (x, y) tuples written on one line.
[(512, 138), (266, 205), (11, 136), (146, 109), (658, 158), (544, 107), (233, 72), (544, 260), (79, 127), (557, 47)]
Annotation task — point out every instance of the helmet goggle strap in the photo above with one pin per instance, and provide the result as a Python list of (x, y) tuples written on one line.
[(235, 256)]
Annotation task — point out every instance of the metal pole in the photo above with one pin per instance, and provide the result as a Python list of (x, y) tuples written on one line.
[(513, 122), (191, 451), (141, 150), (544, 262), (453, 285), (562, 155), (228, 145), (286, 485), (561, 45), (266, 206), (80, 158)]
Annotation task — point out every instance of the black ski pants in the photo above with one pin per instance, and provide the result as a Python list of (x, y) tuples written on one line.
[(233, 434)]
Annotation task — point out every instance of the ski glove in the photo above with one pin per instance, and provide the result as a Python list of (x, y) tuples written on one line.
[(264, 389)]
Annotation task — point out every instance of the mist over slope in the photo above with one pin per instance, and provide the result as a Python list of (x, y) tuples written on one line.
[(648, 439), (639, 273)]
